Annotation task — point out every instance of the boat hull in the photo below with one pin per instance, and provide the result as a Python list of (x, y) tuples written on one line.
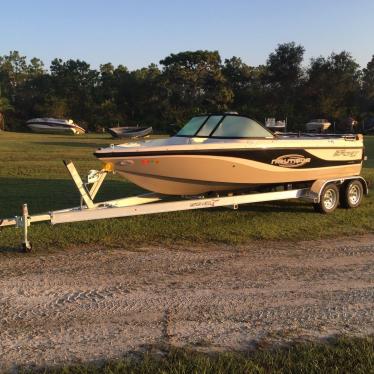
[(191, 173), (130, 132)]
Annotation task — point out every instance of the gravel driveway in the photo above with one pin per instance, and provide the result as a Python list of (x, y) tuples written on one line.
[(88, 304)]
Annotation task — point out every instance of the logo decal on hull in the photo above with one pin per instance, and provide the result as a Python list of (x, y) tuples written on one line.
[(290, 161), (346, 153)]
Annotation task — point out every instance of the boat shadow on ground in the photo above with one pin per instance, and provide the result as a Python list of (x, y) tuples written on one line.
[(43, 195)]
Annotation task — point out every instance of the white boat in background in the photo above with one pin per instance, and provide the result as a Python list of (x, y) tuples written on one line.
[(54, 126), (318, 125)]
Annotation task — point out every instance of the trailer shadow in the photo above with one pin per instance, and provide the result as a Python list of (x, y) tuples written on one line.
[(280, 206), (11, 250), (274, 207)]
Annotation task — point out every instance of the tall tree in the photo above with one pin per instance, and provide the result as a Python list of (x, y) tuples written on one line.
[(193, 82), (4, 107), (13, 71), (368, 89), (283, 78), (16, 75), (333, 86), (74, 82), (246, 84)]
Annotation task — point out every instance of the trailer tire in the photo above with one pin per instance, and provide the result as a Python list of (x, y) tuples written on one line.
[(329, 199), (351, 194)]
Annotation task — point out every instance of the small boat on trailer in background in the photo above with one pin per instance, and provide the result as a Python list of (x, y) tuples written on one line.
[(130, 131), (54, 126)]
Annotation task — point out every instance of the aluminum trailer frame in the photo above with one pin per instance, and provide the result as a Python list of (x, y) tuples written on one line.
[(149, 203)]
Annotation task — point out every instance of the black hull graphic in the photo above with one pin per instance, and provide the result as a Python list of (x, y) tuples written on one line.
[(266, 156)]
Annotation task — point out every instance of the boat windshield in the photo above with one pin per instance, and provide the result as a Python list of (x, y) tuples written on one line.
[(240, 127), (191, 127), (224, 126)]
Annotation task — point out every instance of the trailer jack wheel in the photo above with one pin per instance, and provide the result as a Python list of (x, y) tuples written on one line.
[(329, 199)]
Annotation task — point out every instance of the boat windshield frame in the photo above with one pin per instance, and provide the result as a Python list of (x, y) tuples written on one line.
[(223, 116)]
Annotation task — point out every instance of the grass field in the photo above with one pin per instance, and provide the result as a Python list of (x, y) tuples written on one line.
[(343, 355), (31, 171)]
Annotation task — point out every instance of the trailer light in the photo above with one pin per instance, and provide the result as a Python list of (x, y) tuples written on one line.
[(109, 167)]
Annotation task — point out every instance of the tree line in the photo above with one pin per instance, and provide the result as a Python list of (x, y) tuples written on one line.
[(183, 84)]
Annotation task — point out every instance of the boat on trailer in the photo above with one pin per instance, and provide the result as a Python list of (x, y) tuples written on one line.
[(220, 160), (54, 126)]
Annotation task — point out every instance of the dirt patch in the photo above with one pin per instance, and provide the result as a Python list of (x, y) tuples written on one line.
[(96, 303)]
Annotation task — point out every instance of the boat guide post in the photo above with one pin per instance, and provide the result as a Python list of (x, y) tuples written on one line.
[(26, 245)]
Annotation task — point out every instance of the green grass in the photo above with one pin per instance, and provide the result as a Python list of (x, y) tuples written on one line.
[(343, 355), (31, 171)]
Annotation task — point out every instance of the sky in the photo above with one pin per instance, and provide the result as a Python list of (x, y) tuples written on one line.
[(137, 33)]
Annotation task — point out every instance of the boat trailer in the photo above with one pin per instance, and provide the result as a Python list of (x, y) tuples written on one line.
[(150, 203)]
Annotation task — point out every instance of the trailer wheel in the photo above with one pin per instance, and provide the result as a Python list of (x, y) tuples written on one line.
[(329, 199), (351, 194)]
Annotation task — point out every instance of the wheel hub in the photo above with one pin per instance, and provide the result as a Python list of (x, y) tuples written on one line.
[(354, 194)]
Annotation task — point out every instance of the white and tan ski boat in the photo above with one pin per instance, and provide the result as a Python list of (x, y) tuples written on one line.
[(232, 152)]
